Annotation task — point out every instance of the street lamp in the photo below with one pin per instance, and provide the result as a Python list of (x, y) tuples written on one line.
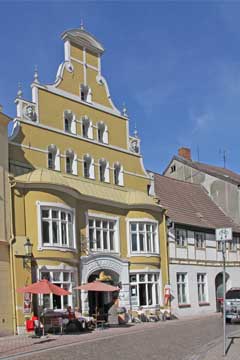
[(27, 258)]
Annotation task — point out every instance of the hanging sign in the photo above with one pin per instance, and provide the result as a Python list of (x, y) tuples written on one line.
[(224, 234)]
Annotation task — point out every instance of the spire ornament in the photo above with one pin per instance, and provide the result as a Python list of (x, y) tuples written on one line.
[(81, 25), (20, 92), (124, 110), (35, 77)]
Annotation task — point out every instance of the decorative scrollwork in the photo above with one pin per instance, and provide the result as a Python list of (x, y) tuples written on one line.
[(30, 113)]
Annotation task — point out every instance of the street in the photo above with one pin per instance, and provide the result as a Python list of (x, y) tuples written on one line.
[(171, 340)]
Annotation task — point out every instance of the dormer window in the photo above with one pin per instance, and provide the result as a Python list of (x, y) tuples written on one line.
[(118, 174), (173, 168), (102, 132), (53, 158), (69, 122), (87, 131), (103, 170), (71, 162), (88, 167), (85, 93)]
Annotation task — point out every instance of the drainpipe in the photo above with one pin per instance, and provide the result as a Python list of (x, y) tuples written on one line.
[(12, 184)]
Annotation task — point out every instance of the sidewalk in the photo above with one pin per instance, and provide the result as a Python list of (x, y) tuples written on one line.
[(11, 346)]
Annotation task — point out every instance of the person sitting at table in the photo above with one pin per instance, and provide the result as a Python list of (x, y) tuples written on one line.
[(71, 315), (141, 315)]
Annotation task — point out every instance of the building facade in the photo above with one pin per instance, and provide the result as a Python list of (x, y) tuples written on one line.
[(221, 184), (195, 257), (6, 310), (81, 193)]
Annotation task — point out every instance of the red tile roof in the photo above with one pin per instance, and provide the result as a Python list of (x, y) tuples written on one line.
[(189, 204)]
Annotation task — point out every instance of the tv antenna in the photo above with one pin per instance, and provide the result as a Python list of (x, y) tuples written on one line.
[(223, 155)]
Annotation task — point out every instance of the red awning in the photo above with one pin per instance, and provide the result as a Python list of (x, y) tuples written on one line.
[(97, 286), (44, 287)]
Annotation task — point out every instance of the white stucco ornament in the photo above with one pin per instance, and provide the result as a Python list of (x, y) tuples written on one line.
[(29, 113)]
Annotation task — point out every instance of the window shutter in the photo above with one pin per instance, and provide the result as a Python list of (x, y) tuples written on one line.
[(74, 165), (107, 173), (57, 161), (121, 182), (90, 130), (91, 170), (105, 135), (73, 126)]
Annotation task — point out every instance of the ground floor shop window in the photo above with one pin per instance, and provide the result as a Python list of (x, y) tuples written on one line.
[(63, 279), (202, 287), (182, 288), (144, 289)]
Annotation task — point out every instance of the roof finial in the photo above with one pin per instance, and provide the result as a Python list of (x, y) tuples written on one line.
[(35, 77), (124, 110), (20, 92), (135, 132), (81, 25)]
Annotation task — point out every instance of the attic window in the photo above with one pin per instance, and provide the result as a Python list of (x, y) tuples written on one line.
[(173, 168), (85, 93)]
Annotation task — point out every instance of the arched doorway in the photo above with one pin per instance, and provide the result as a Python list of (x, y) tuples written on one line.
[(219, 289), (101, 301)]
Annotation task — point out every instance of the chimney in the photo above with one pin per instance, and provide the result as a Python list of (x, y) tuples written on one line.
[(1, 108), (185, 153)]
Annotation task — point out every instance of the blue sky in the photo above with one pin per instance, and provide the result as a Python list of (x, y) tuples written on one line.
[(176, 65)]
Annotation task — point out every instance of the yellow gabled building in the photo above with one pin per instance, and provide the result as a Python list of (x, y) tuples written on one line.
[(6, 308), (81, 193)]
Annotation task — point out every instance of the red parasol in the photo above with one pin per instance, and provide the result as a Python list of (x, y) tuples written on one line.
[(97, 286), (44, 287)]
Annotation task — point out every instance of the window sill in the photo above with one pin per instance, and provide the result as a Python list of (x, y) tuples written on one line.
[(182, 306), (144, 254), (204, 304), (181, 247), (56, 248), (198, 248)]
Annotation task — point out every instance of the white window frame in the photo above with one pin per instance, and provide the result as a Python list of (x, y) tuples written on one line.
[(103, 129), (105, 163), (202, 288), (233, 244), (156, 287), (68, 114), (104, 217), (146, 221), (73, 159), (186, 288), (181, 242), (58, 207), (56, 157), (91, 166), (200, 239), (89, 134), (119, 179), (72, 298)]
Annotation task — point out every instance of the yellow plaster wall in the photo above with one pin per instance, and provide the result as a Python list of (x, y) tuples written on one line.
[(71, 81), (92, 59), (6, 327), (76, 52), (99, 91), (53, 116)]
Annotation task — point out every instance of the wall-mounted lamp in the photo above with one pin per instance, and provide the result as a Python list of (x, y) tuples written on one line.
[(27, 258)]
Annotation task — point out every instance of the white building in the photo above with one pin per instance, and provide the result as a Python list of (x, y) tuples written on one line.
[(195, 258)]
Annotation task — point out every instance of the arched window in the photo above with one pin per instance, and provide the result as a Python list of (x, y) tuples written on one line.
[(88, 167), (53, 157), (69, 122), (102, 131), (87, 131), (118, 174), (103, 170), (85, 93), (71, 162)]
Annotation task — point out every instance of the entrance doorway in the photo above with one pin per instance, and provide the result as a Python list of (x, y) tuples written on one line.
[(219, 289), (100, 302)]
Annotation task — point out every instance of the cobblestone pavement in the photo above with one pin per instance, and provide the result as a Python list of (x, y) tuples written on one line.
[(191, 339)]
